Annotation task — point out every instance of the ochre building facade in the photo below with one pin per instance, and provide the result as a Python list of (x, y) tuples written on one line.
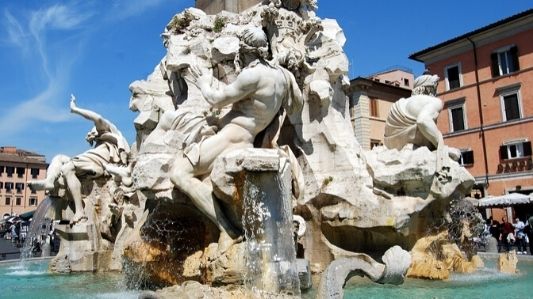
[(487, 88), (17, 168)]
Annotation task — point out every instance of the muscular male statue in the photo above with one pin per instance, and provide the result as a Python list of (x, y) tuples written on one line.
[(256, 96), (110, 147), (413, 120)]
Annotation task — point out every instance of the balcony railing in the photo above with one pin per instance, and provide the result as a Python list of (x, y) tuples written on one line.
[(515, 165)]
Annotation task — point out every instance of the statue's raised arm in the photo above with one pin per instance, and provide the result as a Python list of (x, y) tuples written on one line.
[(243, 86), (101, 124)]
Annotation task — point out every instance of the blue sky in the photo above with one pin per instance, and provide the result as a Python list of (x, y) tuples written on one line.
[(95, 49)]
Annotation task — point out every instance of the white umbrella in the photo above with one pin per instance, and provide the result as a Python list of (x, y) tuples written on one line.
[(505, 200)]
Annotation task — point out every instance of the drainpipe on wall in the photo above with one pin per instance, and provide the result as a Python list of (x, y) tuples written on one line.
[(480, 109)]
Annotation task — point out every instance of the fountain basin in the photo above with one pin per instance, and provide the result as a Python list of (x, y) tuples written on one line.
[(34, 281), (487, 282)]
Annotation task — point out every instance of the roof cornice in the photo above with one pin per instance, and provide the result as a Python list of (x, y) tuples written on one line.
[(482, 36)]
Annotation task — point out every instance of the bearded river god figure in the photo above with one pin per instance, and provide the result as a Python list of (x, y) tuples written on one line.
[(257, 95), (244, 123)]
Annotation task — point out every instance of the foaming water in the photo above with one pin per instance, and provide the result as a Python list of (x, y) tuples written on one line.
[(482, 275), (16, 267), (26, 273)]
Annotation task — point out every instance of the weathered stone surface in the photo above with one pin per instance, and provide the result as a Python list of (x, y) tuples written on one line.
[(507, 262), (334, 278), (492, 245), (413, 172), (192, 289), (434, 257)]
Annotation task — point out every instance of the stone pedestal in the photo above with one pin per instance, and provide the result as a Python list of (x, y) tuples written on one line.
[(264, 185), (507, 262), (492, 245), (79, 250), (216, 6)]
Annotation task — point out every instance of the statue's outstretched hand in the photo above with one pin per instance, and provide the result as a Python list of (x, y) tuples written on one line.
[(199, 73), (196, 72), (72, 102)]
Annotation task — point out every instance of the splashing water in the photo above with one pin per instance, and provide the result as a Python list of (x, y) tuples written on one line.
[(267, 221), (38, 228)]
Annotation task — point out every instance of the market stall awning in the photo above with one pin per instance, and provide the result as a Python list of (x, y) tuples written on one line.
[(505, 200), (26, 216)]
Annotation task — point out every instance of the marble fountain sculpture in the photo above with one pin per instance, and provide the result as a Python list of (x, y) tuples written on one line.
[(245, 170)]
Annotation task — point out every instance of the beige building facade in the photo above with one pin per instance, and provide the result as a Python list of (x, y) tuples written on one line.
[(17, 168), (370, 101), (215, 6)]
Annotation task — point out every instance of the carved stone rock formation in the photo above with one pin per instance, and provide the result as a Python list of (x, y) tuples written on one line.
[(178, 196), (396, 262), (435, 257), (507, 262)]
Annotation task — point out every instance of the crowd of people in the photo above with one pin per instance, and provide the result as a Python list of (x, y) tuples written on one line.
[(518, 233), (14, 231), (17, 230)]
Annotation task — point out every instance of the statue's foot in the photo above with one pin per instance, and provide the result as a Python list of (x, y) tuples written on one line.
[(121, 171), (78, 218), (41, 185)]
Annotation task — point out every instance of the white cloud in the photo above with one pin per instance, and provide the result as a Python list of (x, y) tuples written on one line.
[(43, 106), (57, 17), (15, 34), (37, 108)]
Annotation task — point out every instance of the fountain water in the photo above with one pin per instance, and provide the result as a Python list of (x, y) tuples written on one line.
[(267, 222), (38, 232)]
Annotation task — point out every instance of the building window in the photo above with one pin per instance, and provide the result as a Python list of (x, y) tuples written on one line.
[(8, 201), (505, 61), (34, 173), (457, 118), (1, 185), (515, 150), (18, 201), (467, 158), (8, 186), (453, 76), (20, 172), (9, 171), (19, 187), (373, 103), (510, 103), (33, 201), (405, 82), (374, 143), (1, 170)]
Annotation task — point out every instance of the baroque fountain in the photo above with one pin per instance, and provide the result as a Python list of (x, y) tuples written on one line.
[(245, 178)]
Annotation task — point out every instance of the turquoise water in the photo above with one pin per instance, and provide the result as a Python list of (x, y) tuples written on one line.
[(484, 284), (33, 281)]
